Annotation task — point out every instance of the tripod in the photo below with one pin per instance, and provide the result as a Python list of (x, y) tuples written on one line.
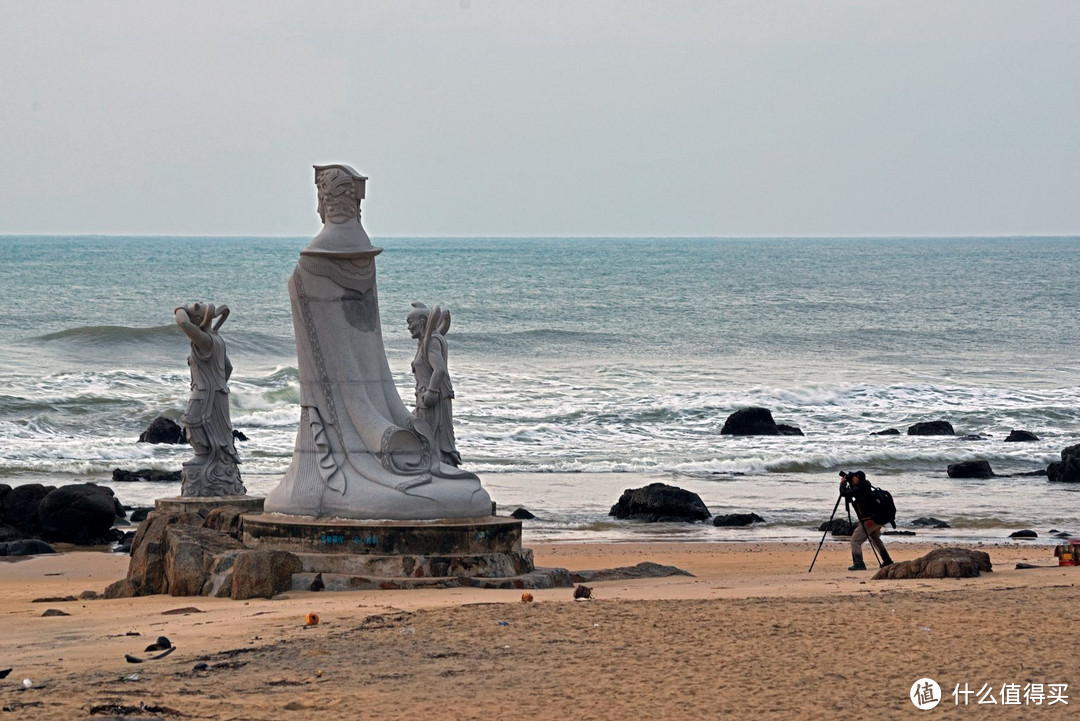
[(828, 527)]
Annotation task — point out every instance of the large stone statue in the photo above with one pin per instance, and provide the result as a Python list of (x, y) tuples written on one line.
[(434, 392), (359, 452), (213, 471)]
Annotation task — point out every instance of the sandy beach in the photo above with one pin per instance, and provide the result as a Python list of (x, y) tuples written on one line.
[(750, 634)]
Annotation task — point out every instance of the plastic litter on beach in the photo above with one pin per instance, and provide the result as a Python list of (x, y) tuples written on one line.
[(504, 623), (312, 619), (4, 672), (526, 597)]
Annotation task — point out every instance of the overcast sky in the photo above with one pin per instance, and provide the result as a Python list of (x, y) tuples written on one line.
[(517, 118)]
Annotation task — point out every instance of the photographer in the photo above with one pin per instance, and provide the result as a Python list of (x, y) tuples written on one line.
[(856, 490)]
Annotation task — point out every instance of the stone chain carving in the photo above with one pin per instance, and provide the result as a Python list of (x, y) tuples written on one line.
[(320, 364)]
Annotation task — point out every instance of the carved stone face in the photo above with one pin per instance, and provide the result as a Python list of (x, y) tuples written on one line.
[(416, 321), (337, 199)]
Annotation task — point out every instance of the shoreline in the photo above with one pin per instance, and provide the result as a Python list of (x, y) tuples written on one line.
[(749, 623), (573, 507)]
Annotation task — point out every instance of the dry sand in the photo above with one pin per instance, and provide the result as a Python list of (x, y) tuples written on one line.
[(751, 635)]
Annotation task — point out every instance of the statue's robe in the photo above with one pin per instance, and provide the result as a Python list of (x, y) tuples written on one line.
[(213, 471), (359, 452)]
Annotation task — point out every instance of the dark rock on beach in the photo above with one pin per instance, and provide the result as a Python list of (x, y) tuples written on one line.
[(930, 522), (139, 514), (54, 612), (645, 569), (145, 475), (125, 543), (1016, 436), (238, 435), (838, 527), (931, 428), (20, 507), (737, 519), (971, 469), (940, 563), (756, 422), (886, 432), (522, 514), (25, 547), (163, 430), (1026, 533), (1067, 470), (79, 513), (659, 502)]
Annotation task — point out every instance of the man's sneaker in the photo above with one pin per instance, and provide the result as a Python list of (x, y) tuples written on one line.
[(886, 562), (860, 566)]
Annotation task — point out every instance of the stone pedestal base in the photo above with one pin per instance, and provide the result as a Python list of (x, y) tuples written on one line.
[(345, 554), (204, 504)]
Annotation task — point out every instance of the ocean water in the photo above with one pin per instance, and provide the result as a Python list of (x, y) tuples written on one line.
[(586, 366)]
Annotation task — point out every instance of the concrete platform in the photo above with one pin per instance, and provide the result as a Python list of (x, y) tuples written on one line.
[(451, 537), (349, 554), (204, 504), (537, 578), (412, 566)]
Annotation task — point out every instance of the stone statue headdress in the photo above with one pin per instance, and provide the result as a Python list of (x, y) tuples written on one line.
[(343, 236)]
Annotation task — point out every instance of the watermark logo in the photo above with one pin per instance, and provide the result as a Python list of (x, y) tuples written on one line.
[(925, 694)]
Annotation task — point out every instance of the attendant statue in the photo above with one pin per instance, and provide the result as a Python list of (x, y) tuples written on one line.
[(360, 453), (213, 471), (434, 392)]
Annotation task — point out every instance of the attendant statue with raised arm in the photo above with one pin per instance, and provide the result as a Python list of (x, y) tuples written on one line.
[(434, 391), (213, 471)]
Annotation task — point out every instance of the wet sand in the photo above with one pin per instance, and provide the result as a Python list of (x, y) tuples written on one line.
[(752, 634)]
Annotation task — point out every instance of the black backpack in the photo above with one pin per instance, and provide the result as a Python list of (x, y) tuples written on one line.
[(882, 509)]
